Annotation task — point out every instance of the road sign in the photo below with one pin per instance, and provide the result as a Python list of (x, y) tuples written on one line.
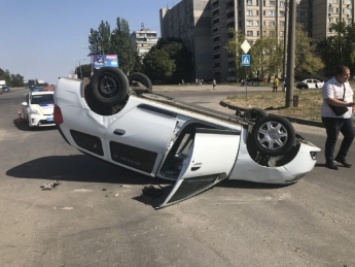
[(246, 60), (245, 46)]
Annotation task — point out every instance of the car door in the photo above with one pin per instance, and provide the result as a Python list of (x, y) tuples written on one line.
[(311, 83), (140, 139), (210, 160)]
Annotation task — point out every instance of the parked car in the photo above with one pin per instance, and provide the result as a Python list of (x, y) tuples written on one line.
[(5, 88), (160, 137), (310, 84), (38, 108)]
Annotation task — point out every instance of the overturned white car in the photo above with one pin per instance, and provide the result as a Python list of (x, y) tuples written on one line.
[(160, 137)]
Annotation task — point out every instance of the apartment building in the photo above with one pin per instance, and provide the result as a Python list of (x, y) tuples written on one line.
[(143, 40), (326, 12), (190, 21), (254, 18)]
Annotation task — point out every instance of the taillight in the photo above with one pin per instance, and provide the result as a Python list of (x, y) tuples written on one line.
[(58, 117)]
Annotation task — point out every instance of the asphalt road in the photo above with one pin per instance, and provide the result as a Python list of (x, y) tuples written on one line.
[(97, 215)]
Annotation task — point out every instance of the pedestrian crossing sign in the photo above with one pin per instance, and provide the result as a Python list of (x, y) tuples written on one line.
[(246, 60)]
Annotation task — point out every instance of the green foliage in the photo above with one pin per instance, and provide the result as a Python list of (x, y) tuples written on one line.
[(158, 65), (105, 41), (83, 71), (14, 80), (338, 49), (267, 56), (123, 46), (307, 62), (175, 64)]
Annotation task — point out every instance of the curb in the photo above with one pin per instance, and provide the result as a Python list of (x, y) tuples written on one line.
[(291, 119)]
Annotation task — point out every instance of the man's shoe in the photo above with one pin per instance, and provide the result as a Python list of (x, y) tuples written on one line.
[(343, 162), (331, 165)]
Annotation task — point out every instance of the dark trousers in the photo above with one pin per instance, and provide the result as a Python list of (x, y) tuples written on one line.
[(333, 126)]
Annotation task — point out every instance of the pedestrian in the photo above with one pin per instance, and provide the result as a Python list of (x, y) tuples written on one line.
[(275, 84), (337, 93), (214, 83)]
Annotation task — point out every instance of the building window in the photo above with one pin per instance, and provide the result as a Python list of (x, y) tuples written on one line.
[(249, 23), (257, 23), (249, 33), (282, 3), (272, 3), (258, 33), (272, 23), (282, 13), (249, 12), (271, 13), (249, 2)]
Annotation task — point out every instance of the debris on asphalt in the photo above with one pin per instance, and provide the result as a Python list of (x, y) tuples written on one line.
[(50, 186), (152, 191)]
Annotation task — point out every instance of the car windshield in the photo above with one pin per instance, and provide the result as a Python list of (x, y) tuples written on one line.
[(42, 99)]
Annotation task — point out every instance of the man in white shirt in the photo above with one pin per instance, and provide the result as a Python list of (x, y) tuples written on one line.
[(333, 91)]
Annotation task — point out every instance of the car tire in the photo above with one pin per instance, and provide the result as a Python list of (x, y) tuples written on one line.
[(142, 79), (254, 114), (273, 135), (109, 86)]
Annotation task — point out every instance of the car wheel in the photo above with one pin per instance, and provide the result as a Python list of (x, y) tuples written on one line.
[(254, 114), (140, 82), (109, 86), (273, 135)]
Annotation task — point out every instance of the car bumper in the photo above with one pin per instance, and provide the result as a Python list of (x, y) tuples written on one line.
[(41, 121)]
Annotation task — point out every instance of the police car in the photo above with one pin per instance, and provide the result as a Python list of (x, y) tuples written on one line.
[(37, 109)]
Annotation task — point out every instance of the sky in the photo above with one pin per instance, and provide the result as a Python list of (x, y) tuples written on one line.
[(47, 39)]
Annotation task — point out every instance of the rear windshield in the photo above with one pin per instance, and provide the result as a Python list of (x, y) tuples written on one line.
[(42, 99)]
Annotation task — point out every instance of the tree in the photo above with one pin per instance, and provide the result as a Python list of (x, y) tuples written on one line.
[(267, 57), (118, 41), (158, 65), (338, 49), (307, 62), (182, 57), (234, 48), (83, 71), (123, 46), (15, 80), (100, 40)]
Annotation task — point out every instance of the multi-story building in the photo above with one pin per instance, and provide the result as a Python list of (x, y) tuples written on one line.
[(254, 18), (144, 40), (190, 21), (327, 12)]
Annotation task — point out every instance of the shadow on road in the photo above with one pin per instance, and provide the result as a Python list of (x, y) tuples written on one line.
[(76, 168), (22, 125)]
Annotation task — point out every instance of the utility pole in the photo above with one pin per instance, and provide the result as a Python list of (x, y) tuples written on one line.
[(284, 71), (291, 53)]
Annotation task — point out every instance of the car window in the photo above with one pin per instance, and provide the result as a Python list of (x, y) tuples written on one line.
[(42, 99)]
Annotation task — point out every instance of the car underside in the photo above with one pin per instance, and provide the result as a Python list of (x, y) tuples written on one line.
[(118, 119)]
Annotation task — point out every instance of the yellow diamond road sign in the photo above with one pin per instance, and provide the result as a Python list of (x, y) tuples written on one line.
[(245, 46)]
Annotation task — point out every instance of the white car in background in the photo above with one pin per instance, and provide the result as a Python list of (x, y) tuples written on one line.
[(38, 108), (310, 84), (156, 136)]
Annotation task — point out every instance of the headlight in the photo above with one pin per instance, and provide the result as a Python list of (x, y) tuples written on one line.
[(34, 111)]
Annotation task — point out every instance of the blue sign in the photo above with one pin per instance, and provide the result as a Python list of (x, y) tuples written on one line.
[(246, 60), (105, 61)]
